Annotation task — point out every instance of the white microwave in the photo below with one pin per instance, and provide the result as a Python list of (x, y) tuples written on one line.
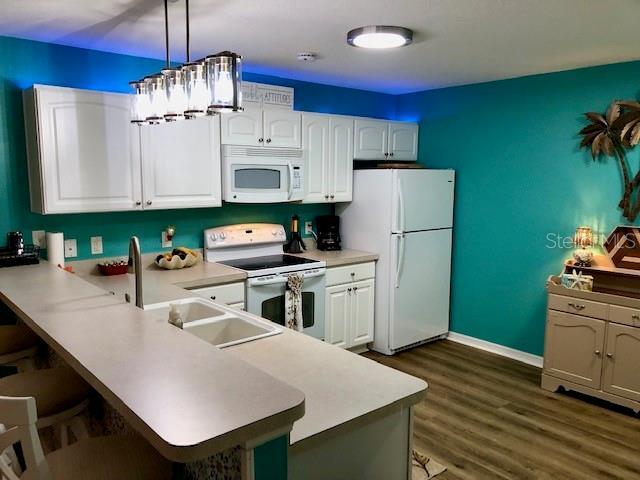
[(262, 175)]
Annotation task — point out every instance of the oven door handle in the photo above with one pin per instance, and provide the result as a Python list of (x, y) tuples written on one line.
[(255, 282), (290, 167)]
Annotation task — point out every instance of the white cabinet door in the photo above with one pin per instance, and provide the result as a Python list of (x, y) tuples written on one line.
[(341, 167), (181, 164), (315, 143), (403, 141), (337, 315), (86, 148), (282, 128), (242, 128), (371, 139), (622, 368), (362, 301)]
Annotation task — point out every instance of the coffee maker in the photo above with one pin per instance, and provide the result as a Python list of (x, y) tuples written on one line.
[(328, 232)]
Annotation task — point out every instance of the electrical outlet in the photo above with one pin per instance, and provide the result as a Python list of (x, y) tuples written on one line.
[(96, 245), (166, 243), (39, 238), (308, 228), (70, 248)]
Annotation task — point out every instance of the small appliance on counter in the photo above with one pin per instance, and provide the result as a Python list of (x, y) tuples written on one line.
[(17, 253), (295, 243), (328, 232)]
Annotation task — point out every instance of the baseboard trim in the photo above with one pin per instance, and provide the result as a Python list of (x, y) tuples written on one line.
[(524, 357)]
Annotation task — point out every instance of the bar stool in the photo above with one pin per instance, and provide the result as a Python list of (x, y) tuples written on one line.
[(60, 395), (101, 458), (18, 345)]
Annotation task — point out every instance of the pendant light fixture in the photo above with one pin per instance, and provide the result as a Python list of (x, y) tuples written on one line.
[(208, 86)]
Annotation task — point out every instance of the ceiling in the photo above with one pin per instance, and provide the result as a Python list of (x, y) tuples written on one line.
[(456, 41)]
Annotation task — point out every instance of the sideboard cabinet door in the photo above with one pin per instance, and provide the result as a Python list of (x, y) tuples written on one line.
[(574, 347), (622, 362)]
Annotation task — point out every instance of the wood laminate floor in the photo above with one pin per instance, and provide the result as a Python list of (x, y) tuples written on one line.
[(486, 417)]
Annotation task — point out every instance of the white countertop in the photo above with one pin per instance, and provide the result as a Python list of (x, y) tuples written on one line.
[(188, 398)]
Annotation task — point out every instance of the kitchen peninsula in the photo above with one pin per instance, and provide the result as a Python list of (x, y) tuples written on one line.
[(190, 399)]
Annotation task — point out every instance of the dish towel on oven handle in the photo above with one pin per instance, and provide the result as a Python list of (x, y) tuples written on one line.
[(293, 302)]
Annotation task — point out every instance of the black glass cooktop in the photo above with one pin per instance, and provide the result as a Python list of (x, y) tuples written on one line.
[(267, 261)]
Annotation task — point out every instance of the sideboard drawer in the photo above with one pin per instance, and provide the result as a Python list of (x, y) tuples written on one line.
[(624, 315), (579, 306)]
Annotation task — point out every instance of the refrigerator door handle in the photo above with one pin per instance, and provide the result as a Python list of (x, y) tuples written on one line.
[(401, 220), (400, 261)]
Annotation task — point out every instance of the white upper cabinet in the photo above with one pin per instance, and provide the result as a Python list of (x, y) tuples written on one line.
[(403, 141), (315, 143), (341, 159), (328, 144), (181, 164), (257, 127), (243, 128), (371, 138), (282, 128), (83, 152), (382, 140)]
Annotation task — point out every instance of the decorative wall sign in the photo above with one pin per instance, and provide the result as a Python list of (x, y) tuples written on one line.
[(263, 95)]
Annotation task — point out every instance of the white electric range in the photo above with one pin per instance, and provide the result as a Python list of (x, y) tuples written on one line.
[(256, 248)]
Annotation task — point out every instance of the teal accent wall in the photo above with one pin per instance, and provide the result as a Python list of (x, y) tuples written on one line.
[(271, 459), (24, 62), (521, 184)]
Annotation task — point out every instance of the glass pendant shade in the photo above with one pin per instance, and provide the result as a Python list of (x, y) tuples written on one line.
[(176, 95), (140, 103), (157, 98), (196, 88), (224, 75)]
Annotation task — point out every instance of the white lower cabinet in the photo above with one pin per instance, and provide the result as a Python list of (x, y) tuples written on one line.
[(231, 294), (349, 307)]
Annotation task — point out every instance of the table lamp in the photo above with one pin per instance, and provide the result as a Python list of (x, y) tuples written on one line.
[(583, 239)]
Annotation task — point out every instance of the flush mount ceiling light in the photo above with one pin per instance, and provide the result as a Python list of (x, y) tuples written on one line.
[(380, 37), (207, 86)]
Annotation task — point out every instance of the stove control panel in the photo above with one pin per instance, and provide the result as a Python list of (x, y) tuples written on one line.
[(243, 235)]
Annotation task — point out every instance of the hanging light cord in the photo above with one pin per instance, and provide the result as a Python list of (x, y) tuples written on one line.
[(187, 30), (166, 31)]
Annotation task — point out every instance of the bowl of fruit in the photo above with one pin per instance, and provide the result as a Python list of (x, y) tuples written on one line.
[(181, 257)]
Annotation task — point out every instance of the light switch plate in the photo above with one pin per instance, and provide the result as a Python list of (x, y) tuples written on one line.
[(70, 248), (166, 243), (96, 245), (39, 238), (308, 227)]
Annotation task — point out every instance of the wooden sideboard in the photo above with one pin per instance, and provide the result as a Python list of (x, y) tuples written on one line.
[(592, 344)]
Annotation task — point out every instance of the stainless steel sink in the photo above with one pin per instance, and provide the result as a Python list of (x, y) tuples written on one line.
[(217, 324)]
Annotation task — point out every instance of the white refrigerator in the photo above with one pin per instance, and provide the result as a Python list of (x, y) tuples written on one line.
[(406, 217)]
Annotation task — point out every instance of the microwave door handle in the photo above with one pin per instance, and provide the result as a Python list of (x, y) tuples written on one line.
[(290, 180)]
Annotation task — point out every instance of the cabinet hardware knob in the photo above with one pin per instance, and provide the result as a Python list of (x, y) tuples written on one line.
[(355, 288), (391, 154), (635, 316), (268, 140), (261, 140), (149, 202), (597, 352), (577, 306), (348, 289), (333, 196), (213, 297), (138, 203), (353, 274), (326, 197), (609, 355), (386, 154)]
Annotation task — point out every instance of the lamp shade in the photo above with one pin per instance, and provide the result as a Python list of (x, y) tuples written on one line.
[(157, 98), (583, 237), (176, 94), (140, 103), (224, 74), (196, 88)]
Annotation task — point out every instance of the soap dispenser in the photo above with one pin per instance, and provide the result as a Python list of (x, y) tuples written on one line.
[(175, 317)]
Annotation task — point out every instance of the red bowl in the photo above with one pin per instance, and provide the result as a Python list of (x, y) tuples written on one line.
[(112, 269)]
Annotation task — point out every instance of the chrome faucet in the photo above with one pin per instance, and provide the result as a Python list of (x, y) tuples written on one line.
[(135, 267)]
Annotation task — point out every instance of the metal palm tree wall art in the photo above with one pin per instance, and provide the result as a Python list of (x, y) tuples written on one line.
[(611, 135)]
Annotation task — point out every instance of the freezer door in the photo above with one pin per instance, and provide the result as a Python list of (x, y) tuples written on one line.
[(423, 199), (420, 286)]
